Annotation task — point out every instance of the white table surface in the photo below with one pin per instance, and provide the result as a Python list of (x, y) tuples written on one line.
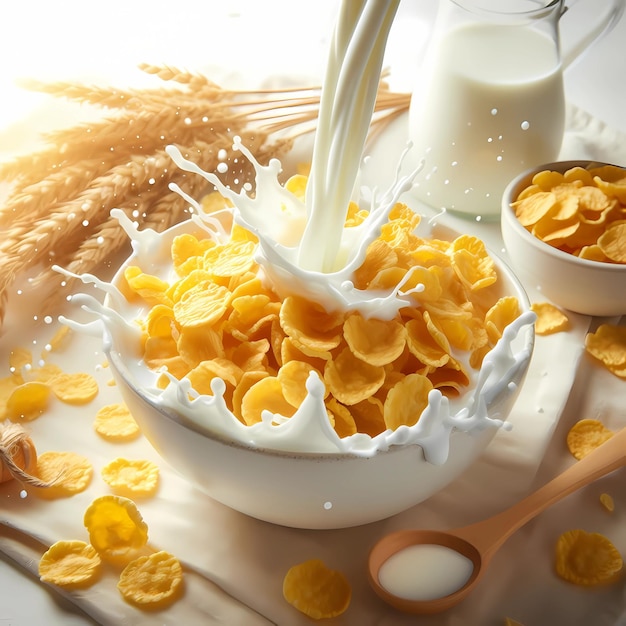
[(54, 40)]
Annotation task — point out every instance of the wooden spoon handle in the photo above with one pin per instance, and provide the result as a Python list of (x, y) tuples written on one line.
[(490, 534)]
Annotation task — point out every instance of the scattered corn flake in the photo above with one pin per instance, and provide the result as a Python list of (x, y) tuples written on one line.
[(606, 500), (116, 528), (79, 388), (69, 473), (60, 338), (509, 621), (132, 478), (27, 401), (585, 436), (608, 345), (316, 590), (114, 422), (587, 559), (550, 319), (70, 564), (152, 581)]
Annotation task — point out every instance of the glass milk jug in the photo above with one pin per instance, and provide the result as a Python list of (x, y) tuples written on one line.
[(488, 103)]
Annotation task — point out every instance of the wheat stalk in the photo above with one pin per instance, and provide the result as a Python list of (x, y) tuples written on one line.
[(62, 195)]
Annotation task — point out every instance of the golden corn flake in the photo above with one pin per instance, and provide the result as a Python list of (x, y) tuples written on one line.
[(550, 319), (375, 341), (580, 212), (406, 401), (132, 478), (613, 242), (587, 559), (60, 338), (70, 564), (608, 345), (152, 581), (317, 591), (27, 401), (116, 528), (69, 473), (80, 388), (114, 422), (606, 500), (151, 288), (585, 436), (508, 621), (202, 305), (351, 380), (265, 395)]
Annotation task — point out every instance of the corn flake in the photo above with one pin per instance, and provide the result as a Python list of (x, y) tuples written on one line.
[(67, 473), (608, 345), (585, 436), (131, 478), (27, 401), (587, 559), (350, 379), (377, 342), (317, 591), (78, 388), (70, 564), (550, 319), (114, 422), (406, 401), (152, 581), (606, 500), (116, 528)]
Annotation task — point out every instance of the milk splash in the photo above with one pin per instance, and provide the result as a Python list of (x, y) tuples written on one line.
[(304, 249)]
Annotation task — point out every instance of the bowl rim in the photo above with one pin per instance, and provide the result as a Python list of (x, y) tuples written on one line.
[(118, 367), (509, 215)]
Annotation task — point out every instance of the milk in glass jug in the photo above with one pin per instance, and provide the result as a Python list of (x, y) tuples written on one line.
[(489, 101)]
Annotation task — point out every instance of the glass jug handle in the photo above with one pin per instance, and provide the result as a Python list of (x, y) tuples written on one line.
[(584, 22)]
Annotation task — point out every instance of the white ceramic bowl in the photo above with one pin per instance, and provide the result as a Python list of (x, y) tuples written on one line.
[(312, 490), (579, 285)]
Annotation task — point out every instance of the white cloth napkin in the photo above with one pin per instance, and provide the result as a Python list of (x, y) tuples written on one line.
[(236, 564)]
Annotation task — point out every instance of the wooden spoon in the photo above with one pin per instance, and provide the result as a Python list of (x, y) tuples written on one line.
[(479, 542)]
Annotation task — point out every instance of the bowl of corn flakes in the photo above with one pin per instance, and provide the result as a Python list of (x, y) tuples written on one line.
[(564, 229), (311, 418)]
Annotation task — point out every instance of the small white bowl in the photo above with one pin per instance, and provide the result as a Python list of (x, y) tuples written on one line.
[(579, 285), (305, 490)]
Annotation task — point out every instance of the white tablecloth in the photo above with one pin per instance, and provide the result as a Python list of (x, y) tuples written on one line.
[(240, 562)]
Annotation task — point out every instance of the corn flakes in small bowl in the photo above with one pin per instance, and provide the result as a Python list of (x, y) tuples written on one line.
[(564, 229)]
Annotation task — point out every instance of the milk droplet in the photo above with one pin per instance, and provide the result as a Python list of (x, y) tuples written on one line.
[(525, 125), (222, 168), (494, 111), (328, 505)]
